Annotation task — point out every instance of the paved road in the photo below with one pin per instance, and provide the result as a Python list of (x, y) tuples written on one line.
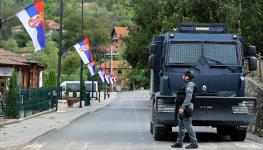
[(124, 125)]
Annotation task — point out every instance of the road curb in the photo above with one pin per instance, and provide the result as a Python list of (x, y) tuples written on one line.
[(16, 147), (29, 117)]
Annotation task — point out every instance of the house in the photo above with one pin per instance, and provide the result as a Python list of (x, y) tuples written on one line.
[(51, 27), (119, 67), (29, 72), (25, 51), (118, 36)]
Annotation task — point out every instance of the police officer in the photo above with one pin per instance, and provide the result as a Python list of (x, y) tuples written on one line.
[(185, 114)]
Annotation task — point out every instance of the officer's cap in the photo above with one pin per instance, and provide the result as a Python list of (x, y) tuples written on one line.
[(189, 73)]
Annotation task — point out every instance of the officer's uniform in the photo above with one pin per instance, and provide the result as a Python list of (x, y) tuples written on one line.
[(185, 118), (185, 122)]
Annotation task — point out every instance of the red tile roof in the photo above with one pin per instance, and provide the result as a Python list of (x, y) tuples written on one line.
[(10, 58), (121, 32), (52, 25)]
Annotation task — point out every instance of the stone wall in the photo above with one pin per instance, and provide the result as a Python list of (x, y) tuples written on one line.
[(255, 89)]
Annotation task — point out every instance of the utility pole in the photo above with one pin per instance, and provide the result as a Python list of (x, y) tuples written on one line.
[(111, 66), (99, 82), (60, 51), (92, 86), (105, 84), (81, 62)]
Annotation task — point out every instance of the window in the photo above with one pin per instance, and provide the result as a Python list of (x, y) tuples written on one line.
[(215, 53), (220, 53), (184, 53)]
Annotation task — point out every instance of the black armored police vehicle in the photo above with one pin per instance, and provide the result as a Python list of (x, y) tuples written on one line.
[(216, 58)]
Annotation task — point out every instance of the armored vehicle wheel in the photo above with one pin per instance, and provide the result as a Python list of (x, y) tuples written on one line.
[(238, 134), (222, 130), (161, 133)]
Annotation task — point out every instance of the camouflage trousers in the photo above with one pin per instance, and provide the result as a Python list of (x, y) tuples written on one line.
[(186, 123)]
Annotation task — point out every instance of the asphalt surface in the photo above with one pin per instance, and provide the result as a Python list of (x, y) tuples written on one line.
[(124, 125)]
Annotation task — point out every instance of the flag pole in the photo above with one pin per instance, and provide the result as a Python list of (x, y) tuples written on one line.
[(81, 62), (92, 82), (104, 76), (60, 51)]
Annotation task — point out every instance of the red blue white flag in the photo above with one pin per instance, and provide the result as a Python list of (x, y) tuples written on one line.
[(32, 19), (84, 51), (111, 79), (107, 76), (115, 79), (101, 74), (92, 69)]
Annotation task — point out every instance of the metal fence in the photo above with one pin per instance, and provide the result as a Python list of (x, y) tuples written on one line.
[(32, 101)]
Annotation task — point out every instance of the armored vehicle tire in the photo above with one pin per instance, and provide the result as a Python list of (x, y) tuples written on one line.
[(161, 133), (222, 131), (238, 134)]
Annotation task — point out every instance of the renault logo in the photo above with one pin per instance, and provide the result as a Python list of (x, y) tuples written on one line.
[(204, 88)]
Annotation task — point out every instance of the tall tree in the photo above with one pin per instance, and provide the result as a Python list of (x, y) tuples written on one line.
[(11, 109), (140, 35)]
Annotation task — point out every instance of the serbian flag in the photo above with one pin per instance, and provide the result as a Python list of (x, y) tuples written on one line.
[(111, 79), (101, 74), (115, 79), (92, 69), (107, 76), (83, 49), (32, 19)]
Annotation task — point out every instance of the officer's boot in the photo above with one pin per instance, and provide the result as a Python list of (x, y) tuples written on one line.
[(192, 146), (177, 145)]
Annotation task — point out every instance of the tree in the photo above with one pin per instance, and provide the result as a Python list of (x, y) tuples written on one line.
[(11, 45), (138, 77), (70, 63), (22, 38), (50, 80), (145, 26), (252, 22), (47, 56), (11, 98)]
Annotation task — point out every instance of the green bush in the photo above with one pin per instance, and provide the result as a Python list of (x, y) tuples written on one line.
[(50, 79), (11, 104), (138, 77)]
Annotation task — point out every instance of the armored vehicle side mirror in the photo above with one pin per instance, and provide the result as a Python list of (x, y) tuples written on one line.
[(152, 48), (151, 61), (252, 63), (252, 50)]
